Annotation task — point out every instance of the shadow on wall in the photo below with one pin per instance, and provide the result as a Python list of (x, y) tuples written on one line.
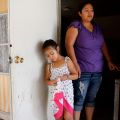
[(111, 30), (110, 26), (41, 89)]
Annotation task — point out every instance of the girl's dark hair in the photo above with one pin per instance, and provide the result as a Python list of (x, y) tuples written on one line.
[(49, 43), (83, 3)]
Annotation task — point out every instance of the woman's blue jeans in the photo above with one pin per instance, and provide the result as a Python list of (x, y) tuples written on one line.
[(85, 89)]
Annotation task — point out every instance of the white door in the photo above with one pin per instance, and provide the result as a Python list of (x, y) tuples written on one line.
[(30, 22)]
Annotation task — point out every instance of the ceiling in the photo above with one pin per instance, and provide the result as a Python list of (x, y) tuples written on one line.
[(101, 7)]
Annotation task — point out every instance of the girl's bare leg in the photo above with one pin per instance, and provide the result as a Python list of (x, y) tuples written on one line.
[(67, 115), (61, 118)]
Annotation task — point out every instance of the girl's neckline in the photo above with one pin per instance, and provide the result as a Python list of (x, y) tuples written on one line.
[(57, 67)]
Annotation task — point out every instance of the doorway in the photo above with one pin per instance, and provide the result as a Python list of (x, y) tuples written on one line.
[(5, 87), (108, 18)]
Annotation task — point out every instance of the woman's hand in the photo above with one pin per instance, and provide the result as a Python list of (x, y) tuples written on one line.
[(78, 70), (113, 66)]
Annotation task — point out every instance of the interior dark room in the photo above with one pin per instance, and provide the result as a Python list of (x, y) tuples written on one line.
[(107, 15)]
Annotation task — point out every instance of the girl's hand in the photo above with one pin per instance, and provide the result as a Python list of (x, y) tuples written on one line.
[(113, 66), (52, 82), (64, 77)]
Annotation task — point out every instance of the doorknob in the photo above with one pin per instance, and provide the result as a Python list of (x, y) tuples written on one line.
[(19, 59)]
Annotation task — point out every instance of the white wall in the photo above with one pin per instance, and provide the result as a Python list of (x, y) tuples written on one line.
[(31, 21)]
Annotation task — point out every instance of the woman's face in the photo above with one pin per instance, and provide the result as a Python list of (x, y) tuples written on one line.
[(87, 13)]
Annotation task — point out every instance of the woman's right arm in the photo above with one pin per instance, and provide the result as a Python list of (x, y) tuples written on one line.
[(70, 39)]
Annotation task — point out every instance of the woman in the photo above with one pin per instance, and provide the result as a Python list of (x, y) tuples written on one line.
[(85, 46)]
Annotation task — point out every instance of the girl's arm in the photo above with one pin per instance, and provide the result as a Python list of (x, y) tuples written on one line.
[(73, 72), (70, 39), (47, 76)]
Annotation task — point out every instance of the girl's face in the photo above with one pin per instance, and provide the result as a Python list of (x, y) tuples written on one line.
[(51, 54), (87, 13)]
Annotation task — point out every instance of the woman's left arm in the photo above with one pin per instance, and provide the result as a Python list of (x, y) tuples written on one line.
[(107, 56)]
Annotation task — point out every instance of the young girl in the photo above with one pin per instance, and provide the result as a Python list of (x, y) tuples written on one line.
[(59, 73)]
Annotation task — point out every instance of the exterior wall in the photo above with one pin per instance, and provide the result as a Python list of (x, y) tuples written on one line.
[(4, 93), (3, 6)]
